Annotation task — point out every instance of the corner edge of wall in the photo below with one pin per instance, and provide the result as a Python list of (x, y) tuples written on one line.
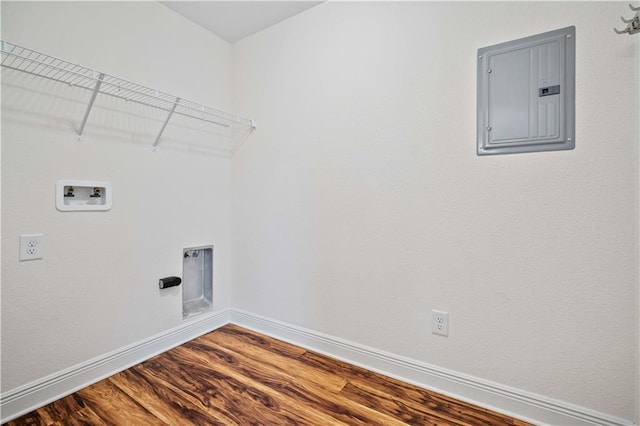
[(517, 403), (24, 399)]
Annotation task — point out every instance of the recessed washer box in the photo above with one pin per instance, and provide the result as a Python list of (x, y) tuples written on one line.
[(83, 195), (526, 94)]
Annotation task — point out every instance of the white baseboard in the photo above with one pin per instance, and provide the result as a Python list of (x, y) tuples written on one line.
[(517, 403), (527, 406), (31, 396)]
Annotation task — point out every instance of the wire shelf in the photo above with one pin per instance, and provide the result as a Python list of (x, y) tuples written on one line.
[(75, 75)]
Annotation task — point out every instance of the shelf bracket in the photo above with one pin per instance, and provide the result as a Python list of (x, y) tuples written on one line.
[(96, 89), (166, 121)]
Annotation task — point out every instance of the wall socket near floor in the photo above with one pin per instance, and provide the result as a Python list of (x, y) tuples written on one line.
[(440, 322), (31, 246)]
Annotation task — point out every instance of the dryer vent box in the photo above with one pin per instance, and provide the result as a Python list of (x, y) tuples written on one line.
[(526, 94), (197, 280)]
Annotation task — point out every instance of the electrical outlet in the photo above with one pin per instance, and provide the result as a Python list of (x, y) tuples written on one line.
[(31, 246), (440, 322)]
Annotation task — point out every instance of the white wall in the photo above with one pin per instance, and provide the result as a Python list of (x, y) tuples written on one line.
[(96, 289), (360, 204)]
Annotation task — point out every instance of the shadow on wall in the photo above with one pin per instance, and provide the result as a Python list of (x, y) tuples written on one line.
[(35, 102)]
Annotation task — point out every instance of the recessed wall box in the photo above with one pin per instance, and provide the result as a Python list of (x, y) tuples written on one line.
[(82, 195), (197, 280), (526, 94)]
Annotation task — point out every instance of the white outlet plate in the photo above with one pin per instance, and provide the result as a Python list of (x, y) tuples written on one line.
[(440, 322), (31, 246)]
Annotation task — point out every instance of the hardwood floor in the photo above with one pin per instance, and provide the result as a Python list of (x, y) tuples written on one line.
[(233, 376)]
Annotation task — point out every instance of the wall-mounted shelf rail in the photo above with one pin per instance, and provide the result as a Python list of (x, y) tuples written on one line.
[(49, 67)]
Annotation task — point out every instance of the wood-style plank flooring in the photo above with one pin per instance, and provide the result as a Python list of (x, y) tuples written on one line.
[(233, 376)]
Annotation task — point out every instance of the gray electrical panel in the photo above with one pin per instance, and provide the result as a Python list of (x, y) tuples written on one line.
[(526, 94)]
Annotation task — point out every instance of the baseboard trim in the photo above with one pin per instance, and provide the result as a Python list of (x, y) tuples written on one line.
[(31, 396), (537, 409)]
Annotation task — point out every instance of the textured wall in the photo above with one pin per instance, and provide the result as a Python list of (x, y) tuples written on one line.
[(360, 204), (96, 290)]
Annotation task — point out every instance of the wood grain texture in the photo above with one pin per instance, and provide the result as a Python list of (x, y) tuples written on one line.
[(234, 376)]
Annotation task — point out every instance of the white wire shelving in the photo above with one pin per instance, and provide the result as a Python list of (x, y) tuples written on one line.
[(36, 63)]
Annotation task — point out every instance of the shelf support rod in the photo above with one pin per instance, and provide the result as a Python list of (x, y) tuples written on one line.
[(96, 89), (166, 121)]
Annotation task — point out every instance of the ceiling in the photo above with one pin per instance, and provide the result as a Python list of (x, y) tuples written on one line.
[(234, 20)]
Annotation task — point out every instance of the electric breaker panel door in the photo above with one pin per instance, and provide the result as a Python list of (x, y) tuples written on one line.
[(526, 94)]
